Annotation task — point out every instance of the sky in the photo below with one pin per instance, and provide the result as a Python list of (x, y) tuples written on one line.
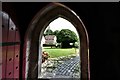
[(61, 23)]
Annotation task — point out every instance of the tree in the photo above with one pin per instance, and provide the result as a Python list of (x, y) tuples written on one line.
[(48, 32), (65, 37), (56, 32)]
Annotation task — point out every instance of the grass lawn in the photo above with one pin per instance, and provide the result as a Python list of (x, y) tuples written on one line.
[(57, 52)]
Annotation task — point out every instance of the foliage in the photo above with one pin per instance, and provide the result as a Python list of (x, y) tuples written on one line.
[(76, 44), (56, 32), (48, 32), (66, 35), (44, 56)]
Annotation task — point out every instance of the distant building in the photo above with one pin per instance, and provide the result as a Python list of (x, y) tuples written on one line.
[(50, 39)]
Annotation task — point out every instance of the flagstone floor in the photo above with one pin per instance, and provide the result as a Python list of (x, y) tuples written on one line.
[(63, 69)]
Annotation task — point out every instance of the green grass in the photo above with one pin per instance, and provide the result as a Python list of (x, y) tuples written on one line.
[(58, 52)]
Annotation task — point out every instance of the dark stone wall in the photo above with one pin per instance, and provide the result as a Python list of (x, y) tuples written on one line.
[(103, 26)]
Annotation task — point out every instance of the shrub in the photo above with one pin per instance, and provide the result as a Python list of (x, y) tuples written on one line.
[(44, 56)]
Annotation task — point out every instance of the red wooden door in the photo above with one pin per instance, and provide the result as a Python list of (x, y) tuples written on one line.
[(10, 48)]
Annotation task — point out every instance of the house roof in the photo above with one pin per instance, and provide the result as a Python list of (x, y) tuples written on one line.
[(50, 36)]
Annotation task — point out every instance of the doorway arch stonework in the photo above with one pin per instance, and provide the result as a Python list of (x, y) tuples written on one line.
[(34, 34)]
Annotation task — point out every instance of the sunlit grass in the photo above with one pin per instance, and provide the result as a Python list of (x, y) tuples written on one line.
[(58, 52)]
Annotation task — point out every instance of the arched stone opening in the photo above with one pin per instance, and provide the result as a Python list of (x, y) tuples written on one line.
[(32, 58)]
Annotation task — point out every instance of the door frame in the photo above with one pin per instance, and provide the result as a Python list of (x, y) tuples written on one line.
[(35, 31)]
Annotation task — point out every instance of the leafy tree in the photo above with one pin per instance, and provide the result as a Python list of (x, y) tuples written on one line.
[(56, 32), (66, 36), (48, 32)]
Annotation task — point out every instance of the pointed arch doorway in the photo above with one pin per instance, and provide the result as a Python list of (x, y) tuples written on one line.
[(32, 50)]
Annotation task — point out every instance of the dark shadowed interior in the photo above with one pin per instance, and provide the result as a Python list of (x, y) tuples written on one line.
[(102, 23)]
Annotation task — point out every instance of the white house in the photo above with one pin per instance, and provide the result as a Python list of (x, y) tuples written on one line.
[(50, 39)]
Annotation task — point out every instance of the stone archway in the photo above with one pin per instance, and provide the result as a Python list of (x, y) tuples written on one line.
[(35, 32)]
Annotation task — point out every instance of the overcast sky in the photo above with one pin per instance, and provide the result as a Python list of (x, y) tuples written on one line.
[(61, 23)]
